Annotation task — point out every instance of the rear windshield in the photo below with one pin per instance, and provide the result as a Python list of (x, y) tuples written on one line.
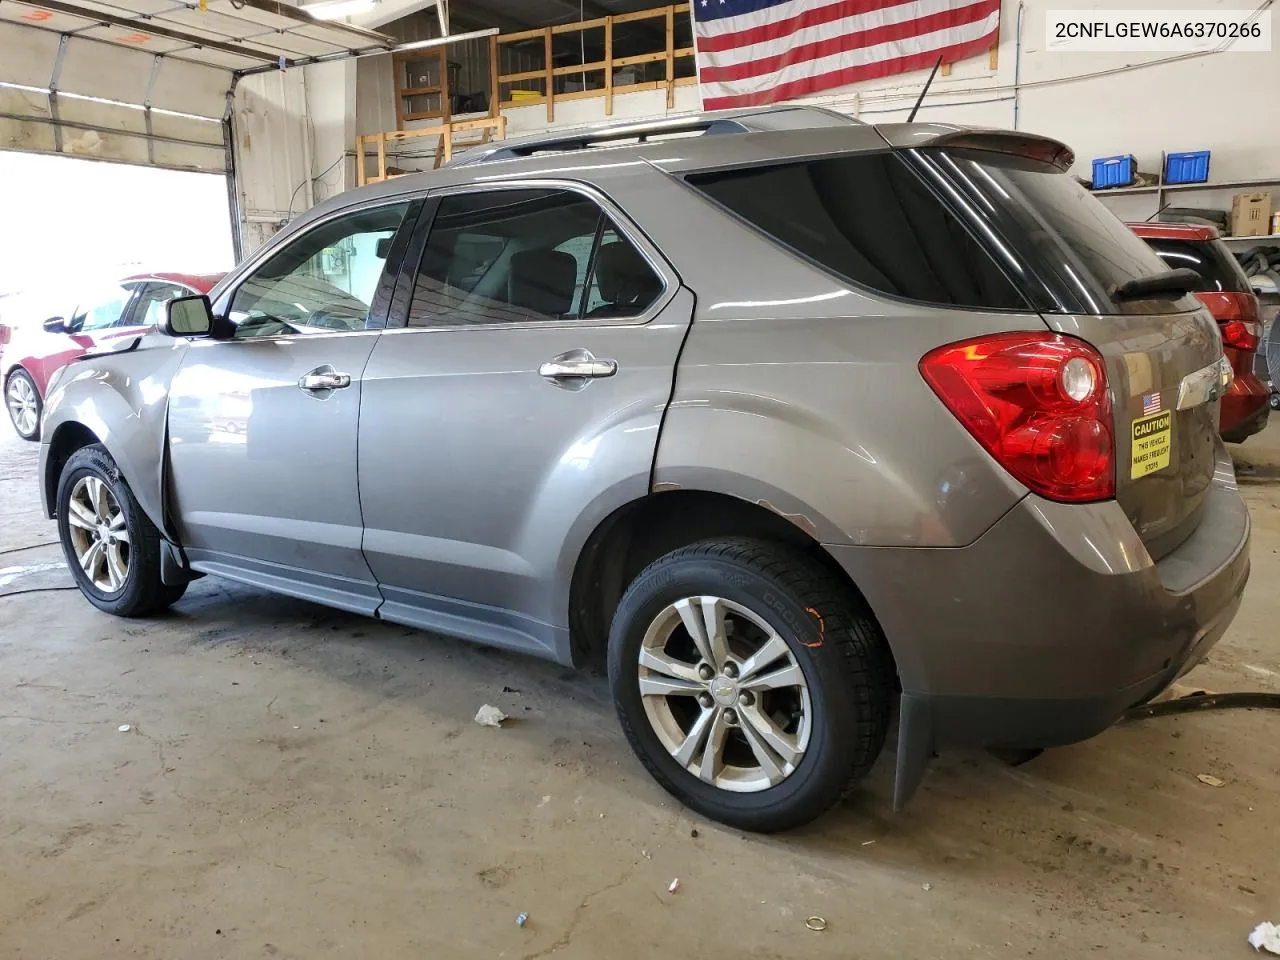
[(870, 218), (1077, 249), (1209, 258)]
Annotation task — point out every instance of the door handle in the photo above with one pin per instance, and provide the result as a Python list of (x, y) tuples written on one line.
[(578, 365), (328, 380)]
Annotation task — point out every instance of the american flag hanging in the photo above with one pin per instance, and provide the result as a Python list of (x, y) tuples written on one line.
[(752, 52)]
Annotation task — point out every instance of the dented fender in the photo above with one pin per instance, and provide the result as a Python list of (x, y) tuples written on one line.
[(123, 399)]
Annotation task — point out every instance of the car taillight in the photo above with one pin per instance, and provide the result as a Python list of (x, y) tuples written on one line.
[(1237, 316), (1038, 403), (1241, 334)]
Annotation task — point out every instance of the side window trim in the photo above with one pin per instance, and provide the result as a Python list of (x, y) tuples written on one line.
[(621, 222), (269, 250)]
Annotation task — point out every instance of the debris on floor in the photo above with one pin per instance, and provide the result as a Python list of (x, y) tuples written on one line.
[(521, 919), (926, 887), (490, 716), (1265, 936), (694, 833), (816, 924), (674, 885), (124, 728), (1209, 780)]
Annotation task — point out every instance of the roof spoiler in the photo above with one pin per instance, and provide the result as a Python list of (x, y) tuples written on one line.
[(1043, 149)]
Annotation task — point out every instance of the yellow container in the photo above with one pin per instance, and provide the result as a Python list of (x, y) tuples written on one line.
[(520, 95)]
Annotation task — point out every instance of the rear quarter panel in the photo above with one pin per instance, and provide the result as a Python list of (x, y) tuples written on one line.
[(802, 393), (123, 399)]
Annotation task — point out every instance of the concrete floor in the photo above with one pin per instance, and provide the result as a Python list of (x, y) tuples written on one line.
[(301, 783)]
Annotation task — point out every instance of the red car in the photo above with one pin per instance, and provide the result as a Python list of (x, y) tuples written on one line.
[(34, 351), (1229, 297)]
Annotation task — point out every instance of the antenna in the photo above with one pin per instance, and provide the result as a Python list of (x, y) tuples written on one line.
[(932, 73)]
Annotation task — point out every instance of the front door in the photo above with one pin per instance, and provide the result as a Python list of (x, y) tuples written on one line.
[(262, 424), (517, 406)]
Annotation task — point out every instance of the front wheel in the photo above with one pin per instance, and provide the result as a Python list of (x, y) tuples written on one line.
[(111, 546), (23, 401), (751, 682)]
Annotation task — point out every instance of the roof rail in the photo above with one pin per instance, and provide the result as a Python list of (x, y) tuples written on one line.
[(789, 117)]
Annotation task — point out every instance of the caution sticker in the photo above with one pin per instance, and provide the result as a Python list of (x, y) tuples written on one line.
[(1152, 441)]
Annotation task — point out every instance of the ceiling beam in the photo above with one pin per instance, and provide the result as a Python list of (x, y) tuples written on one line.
[(149, 26), (290, 12)]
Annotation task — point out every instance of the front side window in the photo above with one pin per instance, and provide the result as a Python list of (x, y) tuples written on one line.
[(149, 310), (520, 256), (320, 282), (867, 217), (105, 310)]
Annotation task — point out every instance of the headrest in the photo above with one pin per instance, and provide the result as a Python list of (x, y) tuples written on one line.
[(624, 276)]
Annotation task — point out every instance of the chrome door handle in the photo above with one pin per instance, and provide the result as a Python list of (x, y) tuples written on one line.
[(575, 367), (324, 381)]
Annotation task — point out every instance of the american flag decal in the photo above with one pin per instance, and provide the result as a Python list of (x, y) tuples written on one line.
[(1150, 403), (752, 52)]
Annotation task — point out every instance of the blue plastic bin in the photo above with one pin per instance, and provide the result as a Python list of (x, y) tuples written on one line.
[(1114, 171), (1192, 167)]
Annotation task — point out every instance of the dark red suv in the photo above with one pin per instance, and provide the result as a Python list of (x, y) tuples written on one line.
[(1227, 294)]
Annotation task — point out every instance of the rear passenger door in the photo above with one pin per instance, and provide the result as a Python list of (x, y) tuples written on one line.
[(515, 406)]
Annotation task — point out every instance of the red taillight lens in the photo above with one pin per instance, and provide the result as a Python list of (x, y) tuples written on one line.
[(1038, 403), (1240, 334)]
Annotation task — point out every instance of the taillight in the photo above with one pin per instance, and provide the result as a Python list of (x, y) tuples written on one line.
[(1038, 403), (1241, 334), (1237, 316)]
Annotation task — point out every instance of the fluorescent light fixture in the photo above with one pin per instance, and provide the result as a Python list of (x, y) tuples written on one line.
[(337, 9), (441, 41)]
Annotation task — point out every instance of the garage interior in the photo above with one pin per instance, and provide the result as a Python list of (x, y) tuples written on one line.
[(250, 775)]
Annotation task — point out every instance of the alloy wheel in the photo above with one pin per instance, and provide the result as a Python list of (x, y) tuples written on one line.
[(23, 404), (724, 694), (99, 534)]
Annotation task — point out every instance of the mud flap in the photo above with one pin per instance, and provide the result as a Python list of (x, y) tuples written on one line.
[(174, 568), (915, 748)]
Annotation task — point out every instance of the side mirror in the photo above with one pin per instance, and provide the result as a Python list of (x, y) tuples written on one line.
[(188, 316), (55, 325)]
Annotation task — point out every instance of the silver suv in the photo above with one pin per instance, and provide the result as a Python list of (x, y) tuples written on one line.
[(787, 417)]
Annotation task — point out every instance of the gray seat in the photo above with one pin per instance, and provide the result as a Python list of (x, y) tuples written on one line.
[(625, 280), (542, 281)]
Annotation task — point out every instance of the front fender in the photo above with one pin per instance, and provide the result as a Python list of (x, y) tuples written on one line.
[(123, 399)]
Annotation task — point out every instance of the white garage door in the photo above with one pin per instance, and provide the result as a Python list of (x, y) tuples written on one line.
[(146, 81)]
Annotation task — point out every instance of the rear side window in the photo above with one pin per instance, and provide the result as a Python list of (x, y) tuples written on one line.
[(521, 256), (1076, 250), (870, 219), (1212, 260)]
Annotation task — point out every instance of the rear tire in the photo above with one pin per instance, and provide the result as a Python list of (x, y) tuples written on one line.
[(111, 546), (826, 712), (22, 400)]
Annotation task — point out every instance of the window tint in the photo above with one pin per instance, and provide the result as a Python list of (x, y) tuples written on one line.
[(149, 310), (515, 256), (105, 310), (1077, 249), (1211, 259), (869, 218), (321, 281)]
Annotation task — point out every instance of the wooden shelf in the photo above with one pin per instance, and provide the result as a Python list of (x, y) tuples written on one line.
[(1264, 239)]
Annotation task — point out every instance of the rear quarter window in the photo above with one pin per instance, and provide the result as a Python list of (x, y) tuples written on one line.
[(868, 218)]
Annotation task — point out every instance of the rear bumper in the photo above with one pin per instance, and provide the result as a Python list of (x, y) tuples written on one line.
[(1052, 624), (1245, 409)]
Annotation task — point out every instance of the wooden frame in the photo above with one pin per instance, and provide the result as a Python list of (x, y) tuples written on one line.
[(444, 150), (548, 73), (403, 93)]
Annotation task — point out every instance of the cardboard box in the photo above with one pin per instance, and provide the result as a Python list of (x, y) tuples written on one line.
[(1251, 214)]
